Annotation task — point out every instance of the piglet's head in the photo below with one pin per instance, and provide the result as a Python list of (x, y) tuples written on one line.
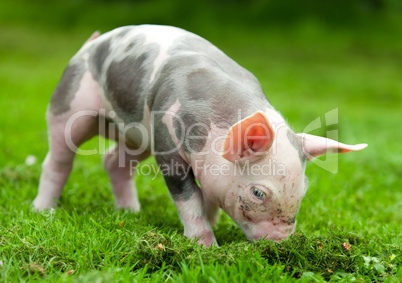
[(269, 182)]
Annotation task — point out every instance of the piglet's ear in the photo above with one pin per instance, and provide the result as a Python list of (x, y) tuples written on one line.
[(315, 146), (248, 139)]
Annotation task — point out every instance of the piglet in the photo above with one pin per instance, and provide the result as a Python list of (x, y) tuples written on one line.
[(217, 140)]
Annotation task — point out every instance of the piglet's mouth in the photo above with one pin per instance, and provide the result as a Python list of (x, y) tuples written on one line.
[(276, 235)]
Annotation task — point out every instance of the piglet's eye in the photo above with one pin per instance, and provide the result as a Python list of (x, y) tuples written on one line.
[(259, 194)]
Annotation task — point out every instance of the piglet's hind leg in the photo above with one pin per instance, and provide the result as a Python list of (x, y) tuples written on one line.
[(59, 160), (72, 119), (120, 163)]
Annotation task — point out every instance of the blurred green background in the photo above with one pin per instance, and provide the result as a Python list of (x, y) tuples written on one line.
[(206, 15), (310, 56)]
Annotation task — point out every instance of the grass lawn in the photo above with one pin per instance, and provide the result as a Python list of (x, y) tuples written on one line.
[(349, 225)]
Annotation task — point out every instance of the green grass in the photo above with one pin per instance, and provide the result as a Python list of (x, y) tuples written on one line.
[(306, 70)]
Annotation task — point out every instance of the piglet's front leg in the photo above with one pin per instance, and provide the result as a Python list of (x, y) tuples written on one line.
[(189, 202), (194, 219)]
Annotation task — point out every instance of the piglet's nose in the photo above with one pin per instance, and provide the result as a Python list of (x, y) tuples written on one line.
[(269, 231), (276, 235)]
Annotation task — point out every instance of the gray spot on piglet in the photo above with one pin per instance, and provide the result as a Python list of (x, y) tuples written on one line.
[(66, 88), (178, 175), (98, 58), (124, 31), (193, 133), (180, 179), (128, 83)]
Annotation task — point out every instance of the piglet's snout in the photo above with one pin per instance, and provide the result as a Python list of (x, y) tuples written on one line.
[(270, 231)]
